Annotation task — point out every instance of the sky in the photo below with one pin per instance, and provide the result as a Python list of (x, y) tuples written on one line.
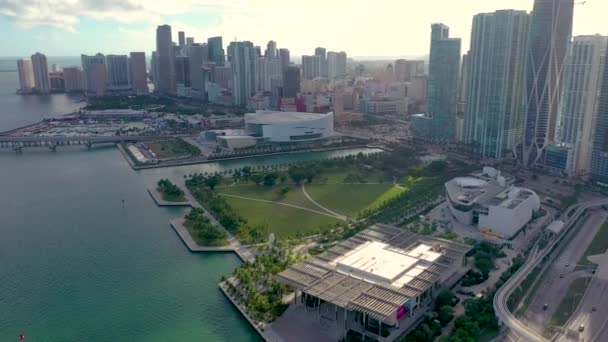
[(378, 28)]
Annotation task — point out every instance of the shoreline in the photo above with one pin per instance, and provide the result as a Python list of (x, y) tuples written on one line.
[(157, 197)]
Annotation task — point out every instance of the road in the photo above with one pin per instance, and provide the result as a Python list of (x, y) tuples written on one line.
[(534, 258), (553, 288)]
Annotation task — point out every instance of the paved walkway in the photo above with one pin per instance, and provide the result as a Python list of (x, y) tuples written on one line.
[(341, 217), (286, 205)]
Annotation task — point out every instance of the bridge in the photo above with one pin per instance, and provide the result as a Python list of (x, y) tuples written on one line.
[(20, 142)]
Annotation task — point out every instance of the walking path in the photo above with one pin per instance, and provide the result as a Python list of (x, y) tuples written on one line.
[(287, 205), (341, 217)]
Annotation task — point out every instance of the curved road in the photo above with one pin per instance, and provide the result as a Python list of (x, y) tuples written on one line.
[(501, 296)]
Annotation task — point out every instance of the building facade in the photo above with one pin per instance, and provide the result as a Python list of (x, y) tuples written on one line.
[(26, 74), (242, 72), (290, 127), (549, 36), (285, 58), (165, 61), (291, 82), (496, 82), (118, 73), (311, 67), (581, 84), (442, 93), (95, 74), (138, 73), (73, 77), (42, 83), (599, 155), (216, 50)]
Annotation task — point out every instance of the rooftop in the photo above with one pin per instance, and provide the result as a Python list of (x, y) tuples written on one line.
[(377, 270), (271, 117)]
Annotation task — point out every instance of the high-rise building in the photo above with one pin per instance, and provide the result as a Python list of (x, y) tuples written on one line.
[(322, 53), (291, 82), (189, 41), (165, 61), (406, 70), (549, 36), (95, 75), (462, 85), (442, 93), (40, 66), (311, 67), (599, 155), (26, 74), (581, 85), (57, 81), (271, 49), (216, 50), (336, 64), (285, 58), (118, 72), (138, 73), (242, 73), (267, 69), (496, 82), (199, 54), (182, 71), (181, 38), (73, 79)]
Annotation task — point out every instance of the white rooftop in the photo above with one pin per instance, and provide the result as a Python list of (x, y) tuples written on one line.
[(378, 262), (273, 117)]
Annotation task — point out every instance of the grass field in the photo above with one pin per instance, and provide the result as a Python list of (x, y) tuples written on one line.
[(347, 199), (171, 148), (283, 221), (294, 196), (568, 305), (598, 245)]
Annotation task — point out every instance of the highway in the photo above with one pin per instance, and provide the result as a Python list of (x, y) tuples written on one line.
[(501, 296)]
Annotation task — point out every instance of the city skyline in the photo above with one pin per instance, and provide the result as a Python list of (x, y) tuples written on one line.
[(118, 27)]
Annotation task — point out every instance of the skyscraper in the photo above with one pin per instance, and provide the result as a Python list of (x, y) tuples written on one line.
[(442, 93), (95, 75), (242, 73), (336, 64), (138, 73), (165, 61), (322, 53), (118, 72), (40, 66), (549, 36), (216, 50), (496, 82), (599, 155), (267, 69), (311, 67), (73, 79), (285, 59), (581, 84), (271, 49), (291, 82), (26, 74), (181, 38), (199, 54)]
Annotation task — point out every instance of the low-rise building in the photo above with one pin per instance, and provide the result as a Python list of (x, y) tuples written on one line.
[(490, 202), (378, 283)]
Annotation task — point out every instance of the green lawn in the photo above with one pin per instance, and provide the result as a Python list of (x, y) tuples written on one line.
[(569, 303), (295, 196), (348, 199), (283, 221), (340, 175), (172, 148), (598, 245)]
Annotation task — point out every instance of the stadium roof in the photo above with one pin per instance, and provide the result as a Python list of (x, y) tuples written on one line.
[(271, 117)]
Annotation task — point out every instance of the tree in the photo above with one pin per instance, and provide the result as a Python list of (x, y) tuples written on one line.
[(212, 182), (445, 297), (270, 179), (257, 178), (445, 314)]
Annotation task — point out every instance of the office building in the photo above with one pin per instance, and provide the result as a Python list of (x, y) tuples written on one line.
[(285, 58), (291, 82), (181, 38), (118, 72), (489, 201), (73, 78), (378, 283), (581, 85), (549, 36), (311, 67), (242, 73), (271, 50), (216, 50), (26, 75), (165, 61), (496, 88), (336, 64), (286, 127), (267, 69), (322, 53), (138, 72), (406, 70), (95, 75), (57, 81), (199, 54), (442, 93), (599, 155), (41, 73)]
